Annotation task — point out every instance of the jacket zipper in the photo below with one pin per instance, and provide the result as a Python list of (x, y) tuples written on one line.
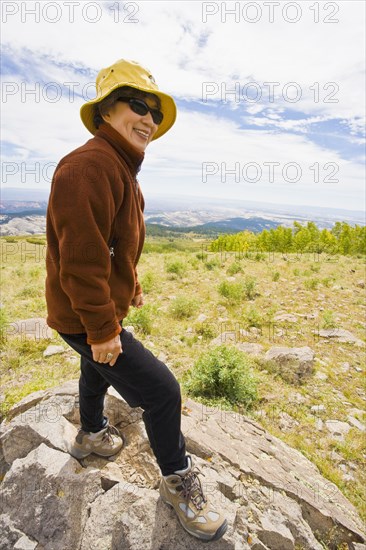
[(112, 246)]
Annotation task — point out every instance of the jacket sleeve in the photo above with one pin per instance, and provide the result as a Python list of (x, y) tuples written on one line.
[(82, 209), (138, 288)]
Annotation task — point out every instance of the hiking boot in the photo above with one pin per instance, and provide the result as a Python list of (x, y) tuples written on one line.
[(183, 492), (106, 442)]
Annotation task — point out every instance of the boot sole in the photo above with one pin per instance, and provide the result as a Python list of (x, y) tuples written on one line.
[(79, 454), (204, 538)]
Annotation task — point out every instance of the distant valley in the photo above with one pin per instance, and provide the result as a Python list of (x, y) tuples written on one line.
[(25, 214)]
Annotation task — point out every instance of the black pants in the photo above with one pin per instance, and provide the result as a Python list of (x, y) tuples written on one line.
[(143, 381)]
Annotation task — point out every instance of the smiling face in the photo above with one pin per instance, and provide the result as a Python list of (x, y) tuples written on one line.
[(137, 129)]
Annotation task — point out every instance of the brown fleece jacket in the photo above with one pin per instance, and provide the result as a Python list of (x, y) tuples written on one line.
[(95, 210)]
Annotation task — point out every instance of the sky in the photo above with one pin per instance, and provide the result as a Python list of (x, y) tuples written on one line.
[(270, 95)]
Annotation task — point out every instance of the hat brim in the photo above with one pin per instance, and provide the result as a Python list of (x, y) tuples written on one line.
[(168, 109)]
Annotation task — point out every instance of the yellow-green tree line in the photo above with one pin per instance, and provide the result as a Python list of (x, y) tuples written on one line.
[(341, 239)]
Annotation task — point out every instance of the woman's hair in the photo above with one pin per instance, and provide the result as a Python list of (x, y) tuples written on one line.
[(103, 107)]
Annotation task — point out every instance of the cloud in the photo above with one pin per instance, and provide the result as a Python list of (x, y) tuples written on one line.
[(189, 46)]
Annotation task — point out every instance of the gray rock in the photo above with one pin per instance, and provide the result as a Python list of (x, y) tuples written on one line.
[(356, 423), (339, 335), (317, 408), (130, 329), (201, 318), (337, 428), (53, 350), (288, 317), (320, 375), (294, 365), (46, 494), (234, 336), (24, 543), (272, 495), (251, 349)]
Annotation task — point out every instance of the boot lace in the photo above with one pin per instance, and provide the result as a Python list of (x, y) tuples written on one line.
[(192, 490), (111, 430)]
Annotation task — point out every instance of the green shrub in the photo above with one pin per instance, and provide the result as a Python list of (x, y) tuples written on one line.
[(326, 281), (315, 268), (296, 271), (176, 266), (328, 319), (223, 375), (234, 268), (206, 330), (235, 292), (275, 276), (141, 318), (36, 240), (183, 307), (250, 285), (212, 263), (254, 317), (148, 282), (311, 284)]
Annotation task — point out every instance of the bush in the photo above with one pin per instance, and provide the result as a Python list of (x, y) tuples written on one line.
[(206, 330), (212, 263), (328, 319), (234, 268), (183, 307), (141, 318), (234, 292), (176, 267), (311, 284), (148, 282), (223, 375), (275, 276), (254, 317), (36, 240), (250, 284)]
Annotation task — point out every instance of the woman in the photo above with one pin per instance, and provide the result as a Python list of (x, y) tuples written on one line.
[(95, 235)]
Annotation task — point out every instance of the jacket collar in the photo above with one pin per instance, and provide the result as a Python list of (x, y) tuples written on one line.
[(130, 155)]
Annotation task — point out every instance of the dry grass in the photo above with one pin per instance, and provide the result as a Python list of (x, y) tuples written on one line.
[(322, 294)]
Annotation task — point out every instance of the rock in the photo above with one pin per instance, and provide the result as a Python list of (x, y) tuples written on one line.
[(360, 283), (46, 496), (320, 375), (287, 422), (273, 497), (288, 317), (356, 423), (53, 350), (130, 329), (24, 543), (294, 365), (337, 428), (201, 318), (345, 367), (229, 336), (319, 424), (251, 349), (339, 335), (317, 408), (36, 328), (163, 357)]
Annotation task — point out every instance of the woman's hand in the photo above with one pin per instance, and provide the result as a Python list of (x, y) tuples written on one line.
[(107, 352), (138, 300)]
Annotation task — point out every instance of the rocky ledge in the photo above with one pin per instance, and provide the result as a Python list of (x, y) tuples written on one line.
[(274, 498)]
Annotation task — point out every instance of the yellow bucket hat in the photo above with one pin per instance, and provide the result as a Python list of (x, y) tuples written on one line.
[(128, 73)]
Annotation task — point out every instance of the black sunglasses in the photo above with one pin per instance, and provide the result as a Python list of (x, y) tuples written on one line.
[(141, 108)]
